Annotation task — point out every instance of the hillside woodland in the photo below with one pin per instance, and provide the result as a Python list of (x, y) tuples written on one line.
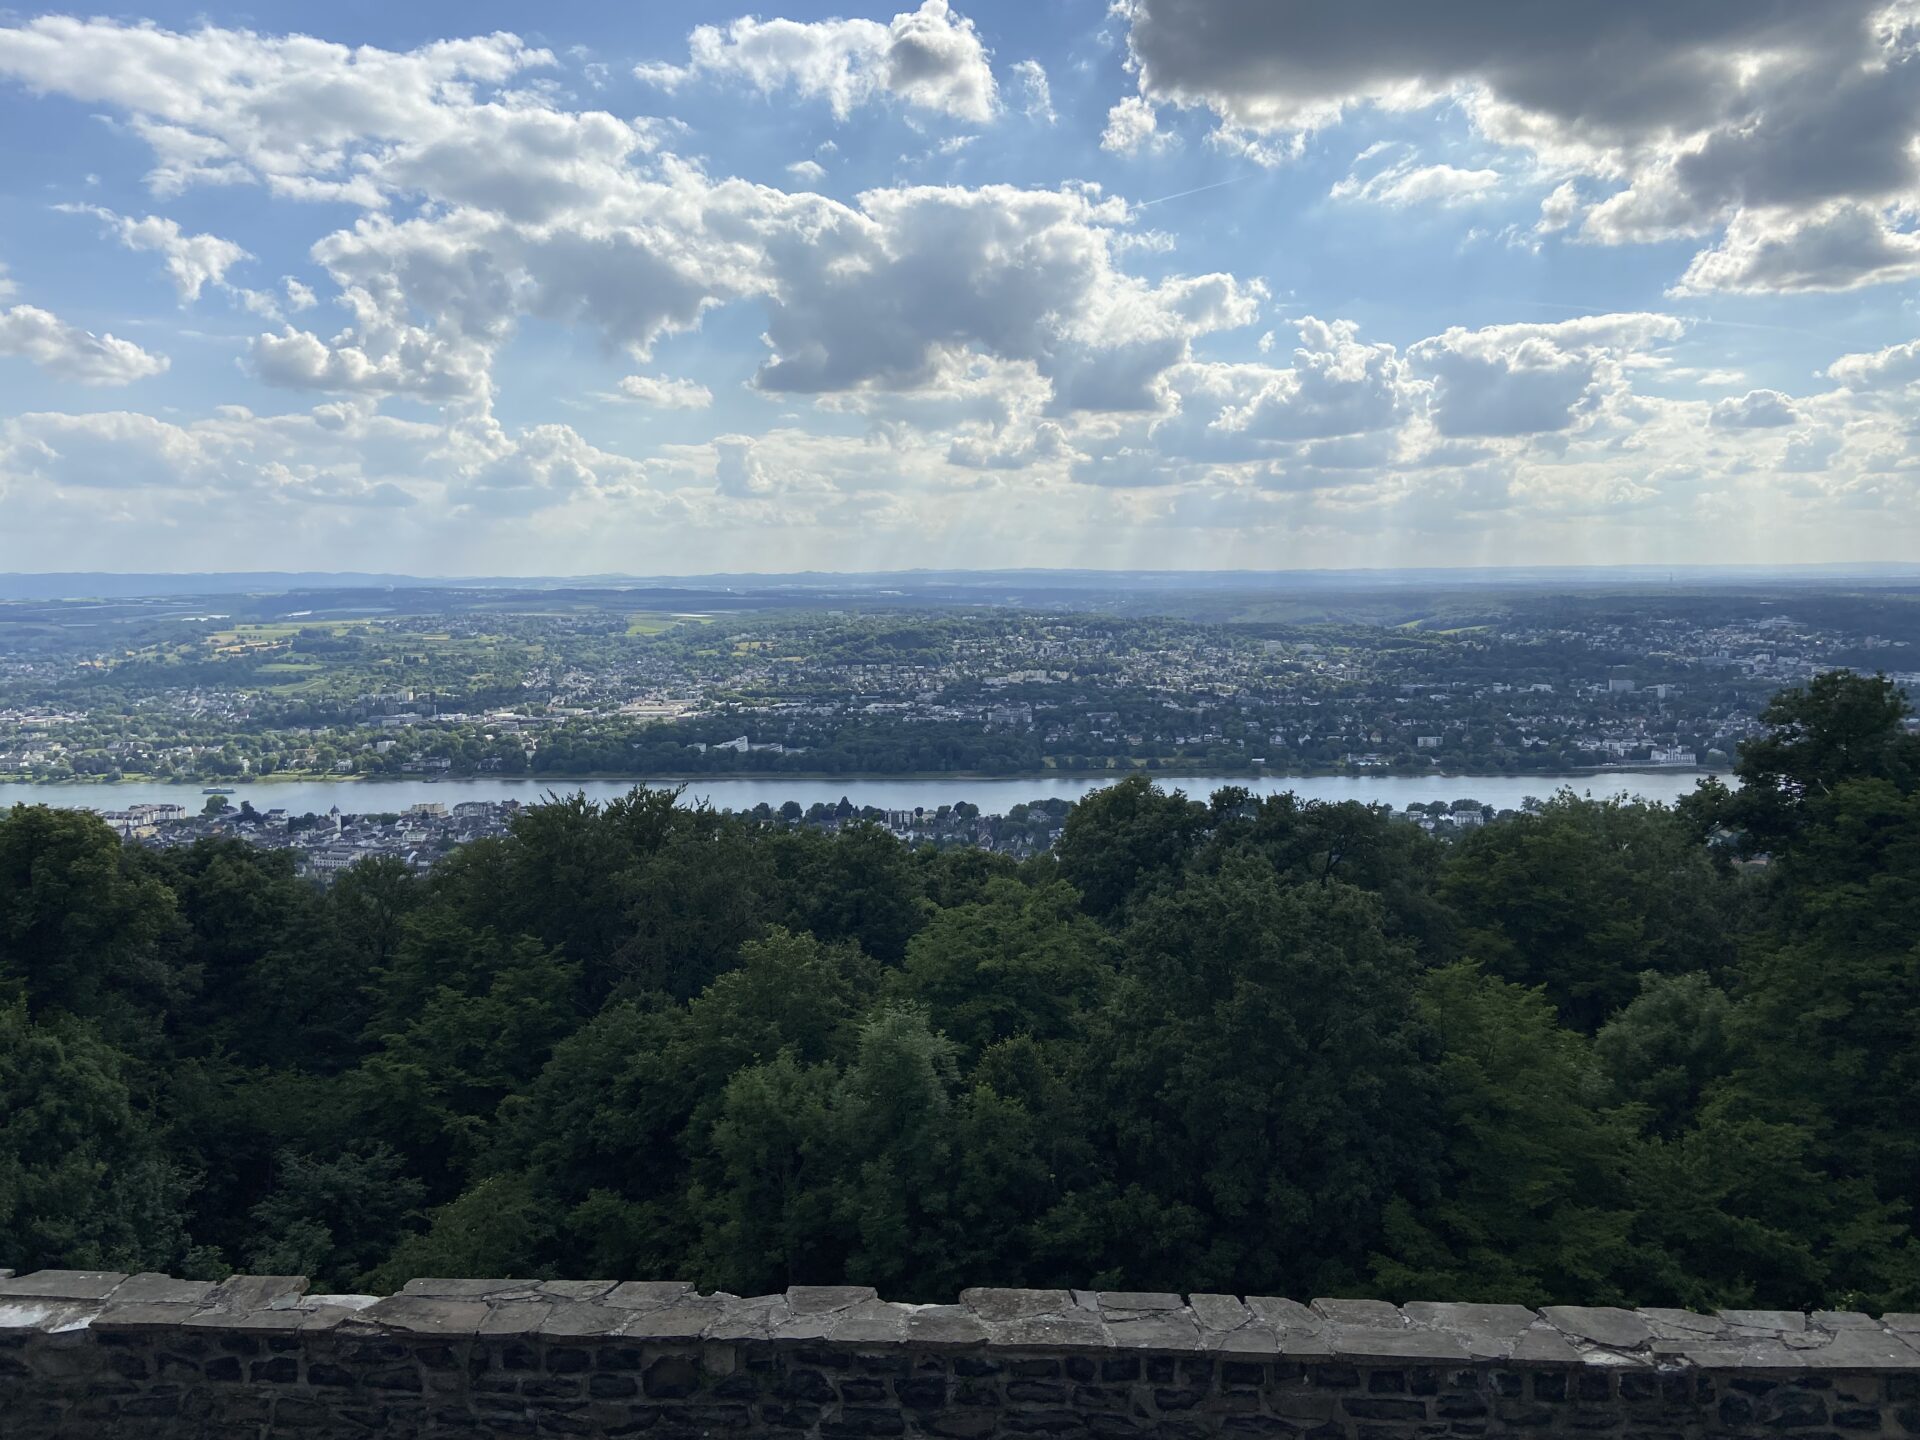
[(1605, 1052)]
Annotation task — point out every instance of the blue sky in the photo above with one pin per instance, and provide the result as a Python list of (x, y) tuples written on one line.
[(1175, 283)]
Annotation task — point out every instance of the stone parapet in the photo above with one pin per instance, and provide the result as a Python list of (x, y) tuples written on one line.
[(105, 1355)]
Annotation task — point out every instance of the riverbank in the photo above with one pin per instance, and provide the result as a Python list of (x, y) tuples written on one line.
[(993, 794), (812, 777)]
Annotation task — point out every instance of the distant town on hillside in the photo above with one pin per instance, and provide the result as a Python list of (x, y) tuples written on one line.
[(1042, 675)]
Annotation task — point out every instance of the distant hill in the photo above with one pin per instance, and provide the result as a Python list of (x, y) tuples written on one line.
[(103, 585), (96, 584)]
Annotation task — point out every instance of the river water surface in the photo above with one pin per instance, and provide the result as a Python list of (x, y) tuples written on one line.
[(994, 796)]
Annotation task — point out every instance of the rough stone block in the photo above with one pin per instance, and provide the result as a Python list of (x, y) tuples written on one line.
[(1600, 1324), (797, 1328), (943, 1326), (1778, 1321), (1375, 1313), (1252, 1340), (1286, 1315), (1844, 1320), (1219, 1312), (316, 1318), (339, 1302), (1297, 1330), (256, 1292), (280, 1322), (871, 1322), (754, 1318), (585, 1318), (686, 1319), (1874, 1349), (162, 1289), (1370, 1408), (49, 1316), (1112, 1301), (453, 1289), (1489, 1332), (1542, 1344), (63, 1284), (575, 1289), (671, 1377), (1074, 1330), (515, 1317), (1496, 1319), (647, 1294), (142, 1315), (1733, 1353), (1681, 1324), (1165, 1331), (996, 1305), (1362, 1342), (423, 1315), (823, 1299)]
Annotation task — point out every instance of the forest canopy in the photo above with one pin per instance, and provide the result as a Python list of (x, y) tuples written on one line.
[(1604, 1052)]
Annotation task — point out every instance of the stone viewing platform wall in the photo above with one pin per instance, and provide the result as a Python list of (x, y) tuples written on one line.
[(100, 1355)]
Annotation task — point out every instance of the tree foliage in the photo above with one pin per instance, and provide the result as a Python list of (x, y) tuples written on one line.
[(1598, 1052)]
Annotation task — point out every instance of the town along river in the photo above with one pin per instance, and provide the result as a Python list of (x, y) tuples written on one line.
[(993, 796)]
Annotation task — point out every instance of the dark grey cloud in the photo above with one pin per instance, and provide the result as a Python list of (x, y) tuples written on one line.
[(1837, 247), (1699, 113), (1624, 67)]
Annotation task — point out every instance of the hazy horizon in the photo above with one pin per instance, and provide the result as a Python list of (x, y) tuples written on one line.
[(1893, 571)]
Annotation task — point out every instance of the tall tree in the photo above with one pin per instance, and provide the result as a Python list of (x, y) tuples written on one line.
[(1022, 960), (1259, 1070), (85, 1178), (1583, 897), (1839, 727), (1534, 1203), (1123, 839), (81, 931)]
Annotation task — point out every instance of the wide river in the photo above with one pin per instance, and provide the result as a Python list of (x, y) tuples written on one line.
[(993, 796)]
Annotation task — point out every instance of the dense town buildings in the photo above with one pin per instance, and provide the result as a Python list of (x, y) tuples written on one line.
[(1533, 684)]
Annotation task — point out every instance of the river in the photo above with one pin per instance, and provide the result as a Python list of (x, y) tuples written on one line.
[(994, 796)]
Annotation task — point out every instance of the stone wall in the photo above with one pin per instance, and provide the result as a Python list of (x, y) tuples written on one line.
[(96, 1355)]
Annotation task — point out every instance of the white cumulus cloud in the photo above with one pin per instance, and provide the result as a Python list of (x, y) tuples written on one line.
[(70, 353), (220, 106), (1132, 124), (1886, 369), (1755, 410), (193, 261), (1408, 184), (930, 58), (666, 392)]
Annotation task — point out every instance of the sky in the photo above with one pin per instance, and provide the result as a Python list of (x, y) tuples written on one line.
[(1173, 284)]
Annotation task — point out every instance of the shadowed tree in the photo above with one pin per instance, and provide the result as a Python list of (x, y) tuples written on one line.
[(82, 931), (1123, 839), (1581, 897)]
